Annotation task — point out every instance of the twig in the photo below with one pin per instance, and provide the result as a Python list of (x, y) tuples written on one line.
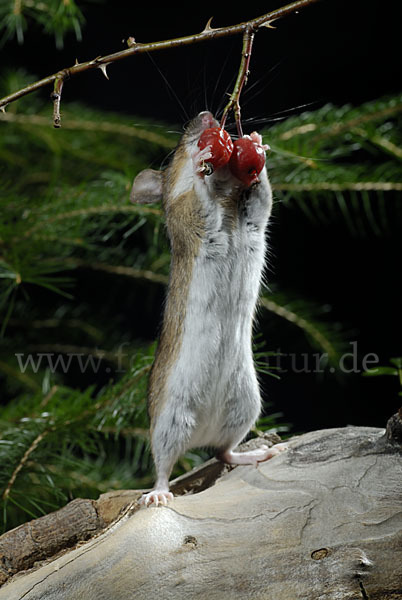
[(56, 97), (234, 102), (101, 62)]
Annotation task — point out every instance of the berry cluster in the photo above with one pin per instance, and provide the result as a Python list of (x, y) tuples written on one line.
[(245, 156)]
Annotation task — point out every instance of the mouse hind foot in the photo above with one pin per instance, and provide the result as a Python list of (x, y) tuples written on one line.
[(159, 495), (156, 497)]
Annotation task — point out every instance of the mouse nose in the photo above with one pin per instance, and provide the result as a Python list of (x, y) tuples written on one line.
[(207, 119)]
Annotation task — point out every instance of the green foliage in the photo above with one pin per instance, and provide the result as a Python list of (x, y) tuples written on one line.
[(61, 443), (53, 17), (352, 152), (81, 270), (395, 370)]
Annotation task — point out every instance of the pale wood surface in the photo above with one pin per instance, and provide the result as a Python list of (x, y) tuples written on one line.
[(321, 521)]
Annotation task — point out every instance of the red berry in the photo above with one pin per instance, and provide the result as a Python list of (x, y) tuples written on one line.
[(221, 145), (247, 160)]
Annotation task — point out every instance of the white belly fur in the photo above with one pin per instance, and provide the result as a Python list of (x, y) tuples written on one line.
[(214, 377)]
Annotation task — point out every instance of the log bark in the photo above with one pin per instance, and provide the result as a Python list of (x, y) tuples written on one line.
[(322, 521)]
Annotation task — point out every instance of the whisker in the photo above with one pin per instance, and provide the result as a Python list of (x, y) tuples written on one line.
[(169, 87)]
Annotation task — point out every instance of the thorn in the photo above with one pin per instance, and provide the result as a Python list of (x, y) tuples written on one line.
[(103, 69), (76, 61), (3, 108), (268, 24), (131, 42), (208, 26)]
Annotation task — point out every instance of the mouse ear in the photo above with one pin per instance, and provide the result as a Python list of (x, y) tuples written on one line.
[(147, 187)]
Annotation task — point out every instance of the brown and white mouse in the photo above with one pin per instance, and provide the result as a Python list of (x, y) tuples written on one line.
[(203, 388)]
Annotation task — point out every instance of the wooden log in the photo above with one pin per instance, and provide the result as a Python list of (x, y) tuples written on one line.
[(321, 521)]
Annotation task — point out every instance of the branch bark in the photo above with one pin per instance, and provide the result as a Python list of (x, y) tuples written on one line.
[(101, 62), (234, 102), (322, 521)]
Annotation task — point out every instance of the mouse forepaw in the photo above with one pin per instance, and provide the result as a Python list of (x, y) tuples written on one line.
[(257, 139), (200, 161), (156, 497)]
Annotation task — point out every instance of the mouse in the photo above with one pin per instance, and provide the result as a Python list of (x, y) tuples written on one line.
[(203, 389)]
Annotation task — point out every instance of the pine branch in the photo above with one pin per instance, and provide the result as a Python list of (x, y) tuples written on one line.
[(321, 336), (146, 274), (92, 211), (54, 17), (337, 128), (345, 156), (95, 126), (23, 378), (22, 463), (361, 186), (37, 471)]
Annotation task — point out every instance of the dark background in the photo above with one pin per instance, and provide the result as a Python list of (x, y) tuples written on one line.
[(334, 51)]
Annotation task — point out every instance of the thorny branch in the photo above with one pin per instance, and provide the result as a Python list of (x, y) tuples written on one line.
[(248, 30)]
